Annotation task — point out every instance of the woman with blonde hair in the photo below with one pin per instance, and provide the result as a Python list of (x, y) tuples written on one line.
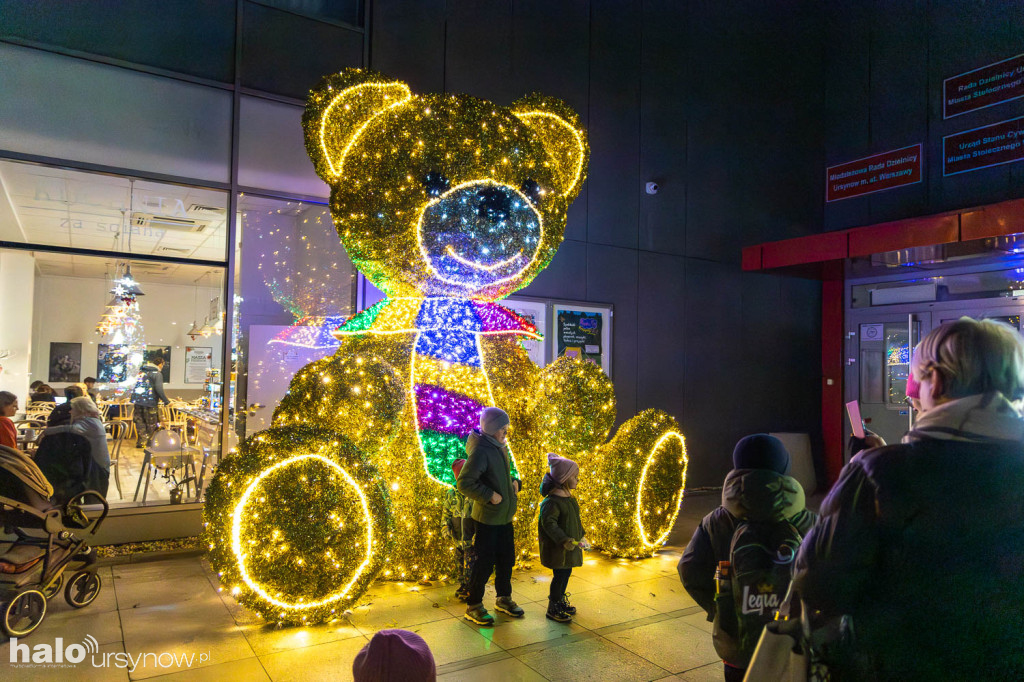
[(913, 569), (86, 422)]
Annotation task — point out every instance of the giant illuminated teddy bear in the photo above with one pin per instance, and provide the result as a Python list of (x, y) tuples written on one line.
[(447, 204)]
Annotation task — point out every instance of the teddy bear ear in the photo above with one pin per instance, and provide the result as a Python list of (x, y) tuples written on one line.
[(338, 110), (560, 131)]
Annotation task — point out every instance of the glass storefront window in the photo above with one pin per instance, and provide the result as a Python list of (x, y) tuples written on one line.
[(71, 316), (69, 208), (295, 286)]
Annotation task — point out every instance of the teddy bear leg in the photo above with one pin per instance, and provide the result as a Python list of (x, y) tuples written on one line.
[(631, 488), (297, 524)]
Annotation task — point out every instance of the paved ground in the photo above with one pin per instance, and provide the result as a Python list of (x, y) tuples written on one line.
[(635, 622)]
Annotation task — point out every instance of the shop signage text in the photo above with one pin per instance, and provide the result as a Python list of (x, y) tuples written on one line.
[(984, 87), (983, 147), (876, 173)]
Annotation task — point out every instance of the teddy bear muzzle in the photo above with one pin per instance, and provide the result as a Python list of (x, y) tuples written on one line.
[(479, 233)]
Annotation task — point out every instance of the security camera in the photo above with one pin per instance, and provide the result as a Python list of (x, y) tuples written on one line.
[(652, 187)]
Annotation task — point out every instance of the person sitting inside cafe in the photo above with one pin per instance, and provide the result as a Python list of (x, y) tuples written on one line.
[(85, 422), (43, 394), (8, 408), (61, 414)]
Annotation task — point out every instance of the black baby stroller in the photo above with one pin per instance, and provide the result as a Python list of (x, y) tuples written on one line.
[(32, 565)]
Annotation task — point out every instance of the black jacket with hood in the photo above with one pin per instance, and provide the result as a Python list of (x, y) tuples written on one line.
[(488, 469), (748, 495), (153, 394), (921, 547)]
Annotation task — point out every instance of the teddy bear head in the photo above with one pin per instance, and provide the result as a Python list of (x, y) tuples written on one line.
[(444, 195)]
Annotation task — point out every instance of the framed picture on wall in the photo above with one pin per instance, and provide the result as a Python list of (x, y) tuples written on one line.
[(198, 359), (535, 312), (583, 331), (65, 362), (111, 363), (153, 352)]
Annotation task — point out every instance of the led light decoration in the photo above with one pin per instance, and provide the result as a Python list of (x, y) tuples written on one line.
[(308, 530), (446, 203)]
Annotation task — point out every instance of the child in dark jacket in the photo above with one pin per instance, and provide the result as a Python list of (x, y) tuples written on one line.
[(560, 532), (756, 490)]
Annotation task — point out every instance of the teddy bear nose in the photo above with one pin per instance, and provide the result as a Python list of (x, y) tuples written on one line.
[(494, 204)]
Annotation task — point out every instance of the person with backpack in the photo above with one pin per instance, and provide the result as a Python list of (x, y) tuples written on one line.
[(148, 391), (458, 521), (913, 571), (737, 564)]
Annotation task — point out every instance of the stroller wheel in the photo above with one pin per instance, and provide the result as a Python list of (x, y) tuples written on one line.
[(82, 589), (54, 589), (24, 613)]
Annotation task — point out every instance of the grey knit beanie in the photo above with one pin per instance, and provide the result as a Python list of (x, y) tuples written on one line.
[(492, 419)]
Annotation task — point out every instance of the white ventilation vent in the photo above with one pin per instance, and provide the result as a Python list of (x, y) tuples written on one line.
[(163, 222)]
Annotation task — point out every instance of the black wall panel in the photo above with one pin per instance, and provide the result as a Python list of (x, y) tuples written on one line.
[(551, 54), (612, 277), (565, 277), (195, 38), (614, 186), (663, 126), (478, 54), (661, 340), (273, 61), (407, 40)]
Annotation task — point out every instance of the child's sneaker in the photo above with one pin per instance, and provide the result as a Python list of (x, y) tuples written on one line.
[(566, 606), (462, 594), (558, 613), (506, 605), (478, 614)]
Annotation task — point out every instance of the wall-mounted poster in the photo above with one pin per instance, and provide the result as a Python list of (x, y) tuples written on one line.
[(198, 359), (65, 362), (111, 363), (584, 332), (153, 352), (535, 312)]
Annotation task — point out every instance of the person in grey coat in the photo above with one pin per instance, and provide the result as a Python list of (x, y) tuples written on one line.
[(487, 480)]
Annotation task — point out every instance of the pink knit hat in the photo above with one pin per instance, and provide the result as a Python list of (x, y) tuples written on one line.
[(394, 655), (562, 469)]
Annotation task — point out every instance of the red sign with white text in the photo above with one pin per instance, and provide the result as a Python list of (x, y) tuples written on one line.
[(983, 147), (980, 88), (887, 170)]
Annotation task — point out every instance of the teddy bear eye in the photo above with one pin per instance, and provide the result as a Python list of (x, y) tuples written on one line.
[(531, 189), (436, 183)]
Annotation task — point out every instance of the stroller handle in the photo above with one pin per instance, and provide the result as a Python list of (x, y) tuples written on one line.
[(82, 496)]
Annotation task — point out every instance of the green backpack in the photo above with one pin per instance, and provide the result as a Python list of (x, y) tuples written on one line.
[(760, 569)]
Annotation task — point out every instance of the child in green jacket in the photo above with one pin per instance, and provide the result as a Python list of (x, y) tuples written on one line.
[(560, 532)]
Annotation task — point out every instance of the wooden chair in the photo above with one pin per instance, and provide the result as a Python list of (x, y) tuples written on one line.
[(126, 414), (171, 419)]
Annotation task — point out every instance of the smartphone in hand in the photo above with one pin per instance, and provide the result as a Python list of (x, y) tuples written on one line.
[(856, 423)]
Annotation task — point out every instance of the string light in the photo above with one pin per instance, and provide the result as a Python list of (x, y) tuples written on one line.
[(447, 204)]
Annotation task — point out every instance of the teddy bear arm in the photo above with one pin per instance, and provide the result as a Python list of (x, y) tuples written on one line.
[(356, 393)]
